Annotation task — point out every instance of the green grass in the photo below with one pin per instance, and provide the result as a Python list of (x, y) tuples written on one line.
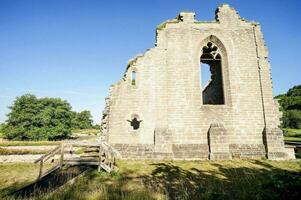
[(237, 179), (292, 139), (292, 134), (289, 132)]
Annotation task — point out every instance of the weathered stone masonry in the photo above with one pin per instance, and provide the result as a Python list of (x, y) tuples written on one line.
[(160, 111)]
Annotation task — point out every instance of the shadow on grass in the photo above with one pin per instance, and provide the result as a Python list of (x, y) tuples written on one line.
[(95, 185), (49, 183), (264, 182), (167, 180)]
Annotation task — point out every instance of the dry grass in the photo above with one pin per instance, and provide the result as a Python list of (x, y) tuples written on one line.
[(237, 179), (14, 176), (85, 132), (4, 151), (28, 143)]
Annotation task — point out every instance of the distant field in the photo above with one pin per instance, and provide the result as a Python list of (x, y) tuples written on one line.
[(237, 179), (292, 134), (289, 132), (292, 139), (4, 151), (28, 143), (86, 131), (75, 133)]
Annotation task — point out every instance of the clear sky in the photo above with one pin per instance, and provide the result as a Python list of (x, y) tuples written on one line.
[(75, 49)]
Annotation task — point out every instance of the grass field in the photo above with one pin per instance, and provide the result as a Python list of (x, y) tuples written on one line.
[(292, 139), (75, 133), (293, 135), (237, 179)]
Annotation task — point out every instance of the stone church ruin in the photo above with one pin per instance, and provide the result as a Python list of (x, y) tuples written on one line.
[(160, 109)]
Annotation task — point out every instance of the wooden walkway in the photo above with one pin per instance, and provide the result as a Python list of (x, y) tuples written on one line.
[(98, 154)]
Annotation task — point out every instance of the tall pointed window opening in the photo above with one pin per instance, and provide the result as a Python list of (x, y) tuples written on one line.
[(212, 81), (133, 78)]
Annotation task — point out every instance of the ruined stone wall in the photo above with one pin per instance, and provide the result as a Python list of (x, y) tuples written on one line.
[(167, 96)]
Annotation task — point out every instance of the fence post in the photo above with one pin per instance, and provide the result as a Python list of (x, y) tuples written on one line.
[(62, 155), (41, 169), (99, 157)]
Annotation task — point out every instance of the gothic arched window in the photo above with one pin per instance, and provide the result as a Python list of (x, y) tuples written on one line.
[(212, 90)]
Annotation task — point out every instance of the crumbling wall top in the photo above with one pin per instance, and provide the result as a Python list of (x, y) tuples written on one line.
[(186, 17), (227, 15)]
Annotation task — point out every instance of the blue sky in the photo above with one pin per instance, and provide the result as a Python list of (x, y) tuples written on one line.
[(75, 49)]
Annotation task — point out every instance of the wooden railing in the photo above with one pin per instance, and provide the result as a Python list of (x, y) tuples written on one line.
[(101, 155)]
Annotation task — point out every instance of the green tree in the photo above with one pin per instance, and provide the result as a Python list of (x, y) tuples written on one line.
[(292, 119), (291, 106), (82, 120), (31, 118), (97, 126), (294, 91), (1, 129)]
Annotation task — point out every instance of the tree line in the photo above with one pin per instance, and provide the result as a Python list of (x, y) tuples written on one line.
[(290, 103), (32, 118)]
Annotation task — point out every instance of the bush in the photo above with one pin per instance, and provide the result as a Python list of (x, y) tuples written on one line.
[(43, 119)]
